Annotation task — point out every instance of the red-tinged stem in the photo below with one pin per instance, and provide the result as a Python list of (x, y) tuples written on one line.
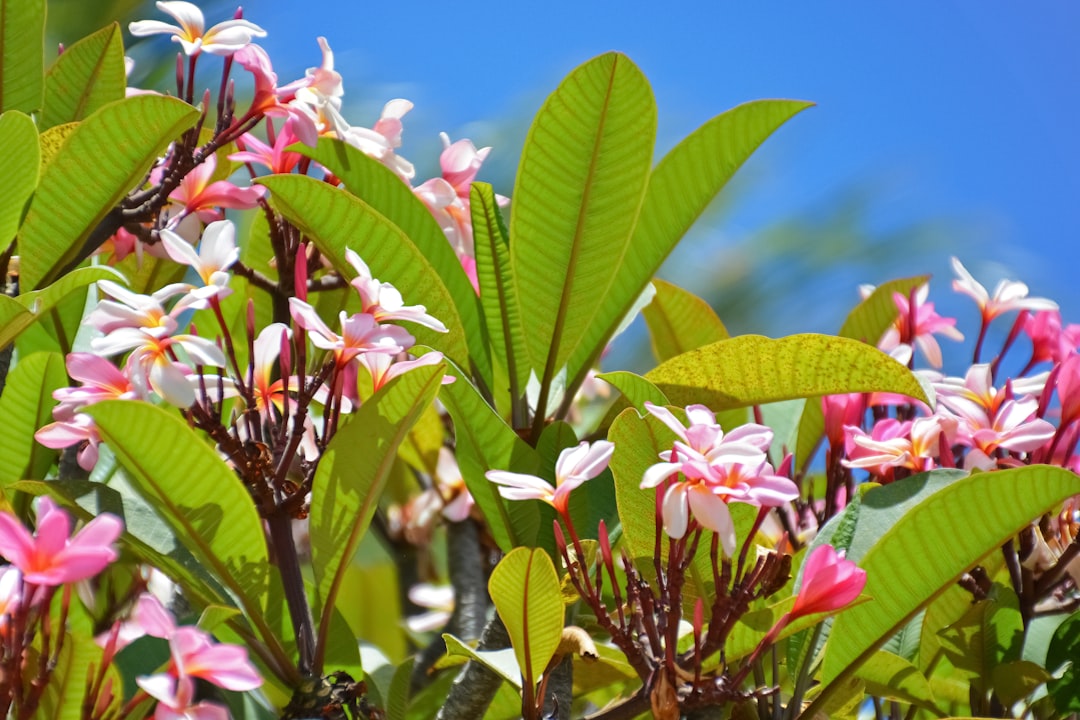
[(979, 342)]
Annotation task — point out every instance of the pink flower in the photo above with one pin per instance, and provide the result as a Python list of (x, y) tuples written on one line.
[(892, 444), (175, 698), (927, 323), (51, 556), (272, 101), (10, 595), (1008, 295), (574, 466), (840, 411), (276, 159), (1068, 388), (77, 428), (225, 38), (360, 334), (715, 468), (193, 654), (829, 582), (1050, 342), (381, 141), (200, 195), (151, 364), (383, 301)]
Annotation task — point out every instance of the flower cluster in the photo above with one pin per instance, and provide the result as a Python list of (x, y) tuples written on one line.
[(713, 468), (976, 424)]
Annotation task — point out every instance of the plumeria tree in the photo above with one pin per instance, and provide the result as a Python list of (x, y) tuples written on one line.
[(336, 442)]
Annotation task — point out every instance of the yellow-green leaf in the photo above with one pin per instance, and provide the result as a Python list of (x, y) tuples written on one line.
[(88, 75), (679, 321), (352, 475), (22, 54), (525, 590), (579, 187), (105, 157), (680, 188), (19, 148), (195, 493), (752, 370)]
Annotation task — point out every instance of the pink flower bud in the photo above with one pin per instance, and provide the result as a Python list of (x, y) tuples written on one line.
[(829, 582)]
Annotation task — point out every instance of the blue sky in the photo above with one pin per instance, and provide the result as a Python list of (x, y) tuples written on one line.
[(956, 110)]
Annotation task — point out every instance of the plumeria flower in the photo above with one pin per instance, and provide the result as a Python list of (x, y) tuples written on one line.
[(1008, 295), (383, 301), (829, 582), (1013, 426), (217, 253), (100, 380), (10, 594), (381, 141), (176, 699), (193, 652), (272, 101), (1050, 342), (200, 195), (574, 466), (715, 468), (76, 429), (276, 159), (893, 444), (383, 367), (458, 501), (152, 364), (975, 390), (132, 310), (225, 38), (927, 324), (439, 599), (52, 556), (360, 334)]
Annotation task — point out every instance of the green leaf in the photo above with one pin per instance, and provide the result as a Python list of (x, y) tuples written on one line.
[(1016, 680), (891, 676), (485, 442), (579, 187), (17, 314), (501, 662), (1003, 627), (752, 370), (334, 220), (22, 54), (87, 76), (1061, 660), (106, 156), (201, 500), (26, 406), (679, 321), (22, 158), (66, 689), (377, 185), (14, 318), (525, 590), (634, 388), (680, 187), (352, 475), (498, 293), (921, 555)]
